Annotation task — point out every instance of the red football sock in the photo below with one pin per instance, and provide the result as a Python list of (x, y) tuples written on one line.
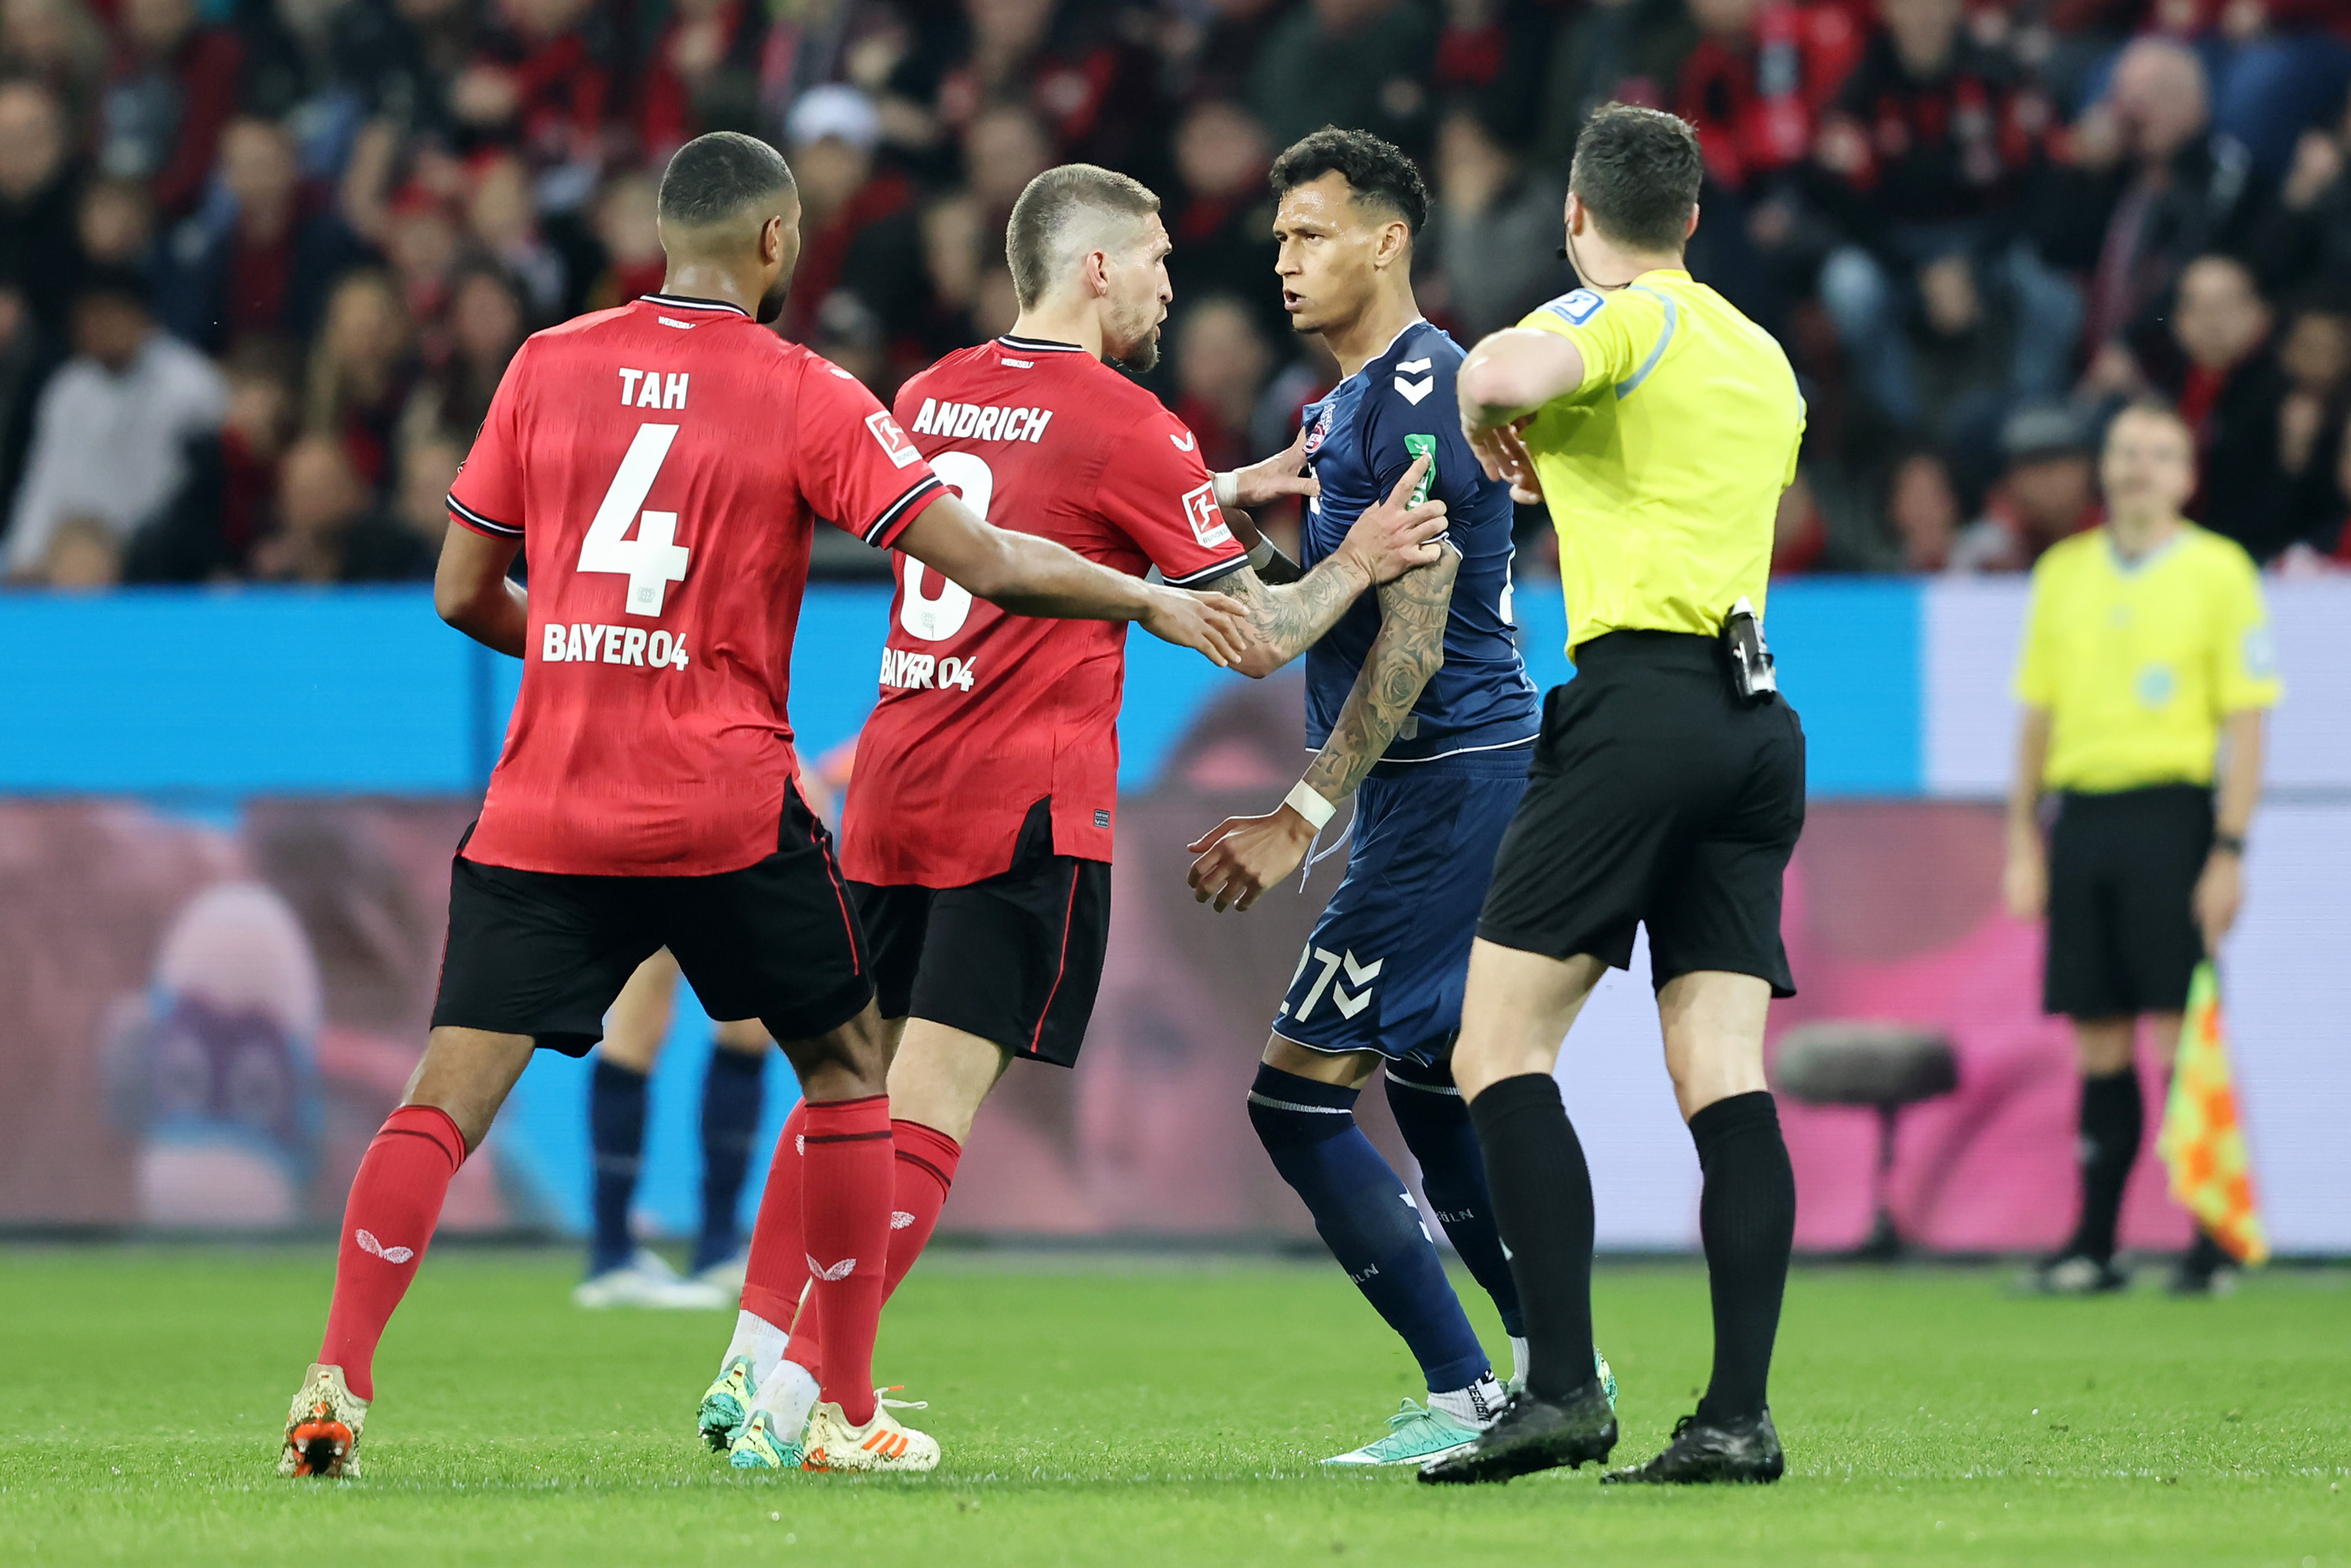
[(778, 1268), (927, 1167), (926, 1160), (395, 1201), (846, 1176)]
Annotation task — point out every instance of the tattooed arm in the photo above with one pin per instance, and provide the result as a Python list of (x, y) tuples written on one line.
[(1243, 856), (1389, 540)]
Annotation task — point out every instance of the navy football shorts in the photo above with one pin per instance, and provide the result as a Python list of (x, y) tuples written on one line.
[(1388, 961)]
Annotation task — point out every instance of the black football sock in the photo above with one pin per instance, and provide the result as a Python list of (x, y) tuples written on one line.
[(731, 1088), (616, 1135), (1541, 1192), (1746, 1220), (1435, 1121), (2112, 1120)]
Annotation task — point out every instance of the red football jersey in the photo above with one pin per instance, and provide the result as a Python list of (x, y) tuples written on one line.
[(664, 465), (984, 714)]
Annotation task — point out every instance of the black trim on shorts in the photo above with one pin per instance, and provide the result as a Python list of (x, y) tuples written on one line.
[(544, 954), (1016, 959), (1655, 798), (2123, 866)]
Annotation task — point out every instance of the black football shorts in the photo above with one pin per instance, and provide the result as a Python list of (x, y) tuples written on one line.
[(2122, 884), (1016, 959), (1656, 797), (544, 954)]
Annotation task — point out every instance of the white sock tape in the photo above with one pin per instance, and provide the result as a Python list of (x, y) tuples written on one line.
[(1303, 801)]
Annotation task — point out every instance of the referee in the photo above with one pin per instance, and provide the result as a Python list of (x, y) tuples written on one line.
[(2147, 658), (1668, 790)]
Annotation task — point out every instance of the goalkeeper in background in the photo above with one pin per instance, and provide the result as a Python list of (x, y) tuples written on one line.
[(2147, 670)]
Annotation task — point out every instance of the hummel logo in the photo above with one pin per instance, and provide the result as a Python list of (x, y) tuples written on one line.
[(1416, 1219), (839, 1271), (1187, 445), (1359, 975), (368, 1243), (900, 1219), (1414, 391)]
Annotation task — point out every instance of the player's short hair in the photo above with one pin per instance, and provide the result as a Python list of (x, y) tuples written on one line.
[(1377, 171), (714, 177), (2150, 408), (1637, 170), (1051, 216)]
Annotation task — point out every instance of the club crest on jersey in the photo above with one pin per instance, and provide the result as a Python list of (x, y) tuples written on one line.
[(1207, 523), (1577, 308), (1314, 438), (892, 439)]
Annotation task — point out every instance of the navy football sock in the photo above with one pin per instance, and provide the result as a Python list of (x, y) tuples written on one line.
[(1368, 1221), (1434, 1122), (731, 1088), (616, 1133)]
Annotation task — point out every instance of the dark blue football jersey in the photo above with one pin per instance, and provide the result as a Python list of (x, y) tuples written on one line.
[(1359, 440)]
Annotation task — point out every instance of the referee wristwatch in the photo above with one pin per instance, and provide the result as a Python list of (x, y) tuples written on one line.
[(2230, 843)]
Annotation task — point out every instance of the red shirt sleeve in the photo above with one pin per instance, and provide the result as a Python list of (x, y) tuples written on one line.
[(858, 468), (487, 495), (1157, 489)]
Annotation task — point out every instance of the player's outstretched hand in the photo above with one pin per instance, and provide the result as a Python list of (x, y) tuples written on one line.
[(1240, 857), (1395, 535), (1283, 474), (1502, 452), (1215, 624)]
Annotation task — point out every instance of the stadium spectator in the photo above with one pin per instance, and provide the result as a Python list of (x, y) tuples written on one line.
[(858, 225), (1626, 50), (228, 503), (701, 74), (1489, 58), (1096, 95), (1922, 510), (265, 264), (428, 465), (2046, 492), (327, 529), (27, 357), (2316, 355), (503, 221), (116, 223), (1003, 148), (626, 228), (173, 90), (361, 371), (2308, 234), (1362, 64), (540, 82), (1496, 228), (61, 45), (1222, 364), (487, 323), (38, 256), (83, 554), (1926, 152), (2228, 396), (1755, 84), (109, 435), (1220, 212), (2152, 186)]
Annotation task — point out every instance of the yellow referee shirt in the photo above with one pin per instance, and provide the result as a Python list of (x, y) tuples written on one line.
[(1663, 471), (2138, 662)]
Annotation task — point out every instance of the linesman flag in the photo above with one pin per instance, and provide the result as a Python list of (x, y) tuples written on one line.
[(2203, 1142)]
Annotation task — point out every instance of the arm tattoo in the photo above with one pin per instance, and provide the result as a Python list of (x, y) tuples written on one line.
[(1291, 618), (1408, 653)]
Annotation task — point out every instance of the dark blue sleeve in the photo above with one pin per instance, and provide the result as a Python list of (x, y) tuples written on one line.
[(1415, 397)]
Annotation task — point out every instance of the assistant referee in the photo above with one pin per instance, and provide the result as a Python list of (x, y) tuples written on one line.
[(2148, 662), (1668, 790)]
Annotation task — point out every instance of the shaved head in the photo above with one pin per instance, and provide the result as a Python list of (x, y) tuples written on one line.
[(718, 196)]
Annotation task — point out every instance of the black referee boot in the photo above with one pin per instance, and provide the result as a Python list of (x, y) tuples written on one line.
[(1702, 1451), (1534, 1434)]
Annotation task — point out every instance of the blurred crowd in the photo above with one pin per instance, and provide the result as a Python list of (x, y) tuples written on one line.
[(262, 262)]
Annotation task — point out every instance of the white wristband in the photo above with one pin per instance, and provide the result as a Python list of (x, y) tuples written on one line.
[(1228, 490), (1303, 801), (1261, 553)]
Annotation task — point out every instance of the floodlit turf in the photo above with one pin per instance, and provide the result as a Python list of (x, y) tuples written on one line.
[(1166, 1411)]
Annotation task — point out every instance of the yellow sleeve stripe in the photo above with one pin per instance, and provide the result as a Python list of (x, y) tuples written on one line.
[(1625, 389)]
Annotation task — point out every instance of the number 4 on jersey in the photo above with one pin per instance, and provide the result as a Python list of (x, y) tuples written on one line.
[(653, 559)]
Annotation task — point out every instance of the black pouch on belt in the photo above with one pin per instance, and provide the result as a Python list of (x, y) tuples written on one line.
[(1753, 679)]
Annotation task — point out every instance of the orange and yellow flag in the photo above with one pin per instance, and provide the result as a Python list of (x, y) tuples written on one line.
[(2203, 1141)]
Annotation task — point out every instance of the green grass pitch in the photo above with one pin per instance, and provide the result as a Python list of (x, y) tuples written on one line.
[(1156, 1411)]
